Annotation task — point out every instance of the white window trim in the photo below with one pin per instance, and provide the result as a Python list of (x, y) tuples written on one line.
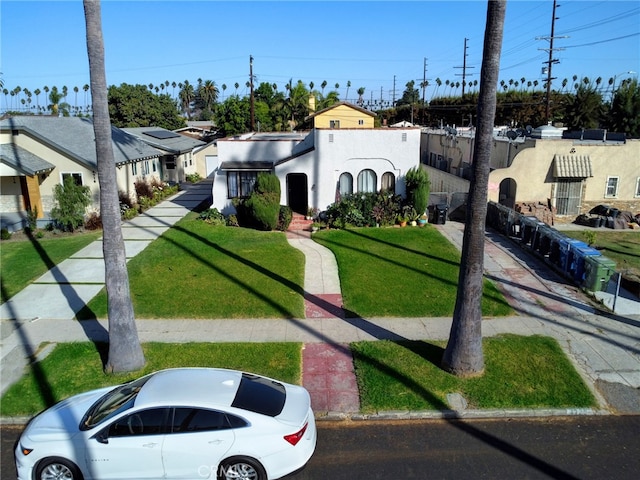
[(62, 174), (606, 187)]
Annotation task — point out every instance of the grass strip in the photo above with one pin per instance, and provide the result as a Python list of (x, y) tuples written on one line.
[(77, 367), (520, 372), (401, 272), (21, 262)]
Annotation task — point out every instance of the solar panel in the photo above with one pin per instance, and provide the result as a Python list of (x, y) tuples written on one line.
[(162, 134)]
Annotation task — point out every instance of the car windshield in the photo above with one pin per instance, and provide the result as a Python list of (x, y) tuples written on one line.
[(117, 400), (260, 395)]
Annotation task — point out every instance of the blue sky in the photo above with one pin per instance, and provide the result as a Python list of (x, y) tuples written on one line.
[(369, 43)]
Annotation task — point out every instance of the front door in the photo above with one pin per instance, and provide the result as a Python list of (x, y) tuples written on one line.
[(297, 193)]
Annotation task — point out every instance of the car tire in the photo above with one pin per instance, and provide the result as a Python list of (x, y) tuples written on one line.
[(57, 468), (241, 468)]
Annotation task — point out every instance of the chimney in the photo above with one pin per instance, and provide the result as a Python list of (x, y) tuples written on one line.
[(312, 103)]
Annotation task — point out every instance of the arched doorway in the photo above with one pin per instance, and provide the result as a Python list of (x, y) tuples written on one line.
[(297, 193), (507, 195)]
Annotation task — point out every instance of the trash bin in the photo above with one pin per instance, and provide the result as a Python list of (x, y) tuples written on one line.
[(528, 228), (565, 247), (554, 248), (598, 271), (577, 259), (439, 213), (548, 243), (539, 243)]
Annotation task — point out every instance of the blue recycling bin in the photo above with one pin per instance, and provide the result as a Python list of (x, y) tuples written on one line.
[(577, 258), (565, 247), (554, 248)]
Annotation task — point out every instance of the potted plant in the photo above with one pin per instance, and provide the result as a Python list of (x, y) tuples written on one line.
[(402, 219), (422, 220)]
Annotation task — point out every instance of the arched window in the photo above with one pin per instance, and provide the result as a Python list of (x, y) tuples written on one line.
[(388, 182), (367, 181), (346, 184)]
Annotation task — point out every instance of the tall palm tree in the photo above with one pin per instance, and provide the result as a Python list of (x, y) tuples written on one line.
[(360, 94), (125, 351), (209, 94), (187, 95), (86, 100), (224, 87), (75, 91), (323, 85), (54, 98), (236, 85), (37, 93), (346, 97), (463, 355)]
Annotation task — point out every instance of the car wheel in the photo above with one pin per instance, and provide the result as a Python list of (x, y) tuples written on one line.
[(57, 469), (241, 468)]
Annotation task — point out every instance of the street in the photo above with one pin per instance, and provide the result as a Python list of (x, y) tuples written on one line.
[(563, 448)]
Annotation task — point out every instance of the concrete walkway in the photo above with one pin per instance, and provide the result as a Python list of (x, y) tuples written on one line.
[(603, 346)]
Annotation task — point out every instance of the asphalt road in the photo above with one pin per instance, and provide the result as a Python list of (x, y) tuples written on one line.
[(605, 447)]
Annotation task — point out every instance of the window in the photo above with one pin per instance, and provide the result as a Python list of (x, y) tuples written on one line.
[(361, 122), (388, 182), (199, 420), (240, 184), (367, 181), (612, 187), (637, 187), (331, 138), (404, 136), (134, 169), (153, 165), (77, 177), (145, 422), (334, 123), (568, 196), (346, 184), (260, 395), (145, 168)]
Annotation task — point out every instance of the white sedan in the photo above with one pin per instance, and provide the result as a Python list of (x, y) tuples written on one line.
[(190, 423)]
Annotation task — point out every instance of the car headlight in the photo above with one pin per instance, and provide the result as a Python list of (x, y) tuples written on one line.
[(25, 451)]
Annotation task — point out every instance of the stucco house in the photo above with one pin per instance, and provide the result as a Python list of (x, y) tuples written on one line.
[(341, 154), (571, 172), (176, 159), (38, 152)]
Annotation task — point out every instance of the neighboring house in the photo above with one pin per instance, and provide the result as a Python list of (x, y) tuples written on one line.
[(315, 168), (38, 152), (571, 172), (206, 158), (176, 159), (203, 130)]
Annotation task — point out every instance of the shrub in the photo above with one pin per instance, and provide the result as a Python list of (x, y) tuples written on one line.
[(93, 221), (71, 201), (212, 216), (232, 221), (143, 189), (417, 184), (193, 177), (264, 202), (5, 234), (32, 219), (284, 218)]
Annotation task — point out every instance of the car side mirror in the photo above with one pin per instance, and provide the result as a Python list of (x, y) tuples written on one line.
[(102, 436)]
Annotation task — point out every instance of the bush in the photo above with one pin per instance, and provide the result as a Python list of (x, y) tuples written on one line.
[(193, 177), (5, 234), (71, 201), (93, 221), (32, 219), (284, 218), (212, 216), (232, 221), (143, 189), (418, 184), (264, 202)]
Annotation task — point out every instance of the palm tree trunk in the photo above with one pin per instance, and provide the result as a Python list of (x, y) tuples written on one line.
[(463, 355), (125, 352)]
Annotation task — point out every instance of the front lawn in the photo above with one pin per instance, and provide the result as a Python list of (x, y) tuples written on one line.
[(401, 272), (196, 270), (23, 261), (520, 372), (77, 367)]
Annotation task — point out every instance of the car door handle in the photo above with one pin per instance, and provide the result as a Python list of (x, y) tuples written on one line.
[(149, 445), (217, 441)]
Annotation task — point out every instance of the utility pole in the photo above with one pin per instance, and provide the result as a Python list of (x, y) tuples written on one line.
[(253, 120), (424, 85), (551, 60), (393, 98), (464, 66)]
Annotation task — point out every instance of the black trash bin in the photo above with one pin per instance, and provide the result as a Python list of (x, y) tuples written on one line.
[(440, 213)]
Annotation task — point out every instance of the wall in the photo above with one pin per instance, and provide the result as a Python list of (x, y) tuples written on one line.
[(348, 117)]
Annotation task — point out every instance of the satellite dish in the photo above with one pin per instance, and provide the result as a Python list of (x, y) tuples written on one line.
[(512, 135)]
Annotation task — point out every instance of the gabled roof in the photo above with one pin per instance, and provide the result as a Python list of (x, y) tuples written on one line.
[(164, 139), (23, 160), (335, 105), (74, 137)]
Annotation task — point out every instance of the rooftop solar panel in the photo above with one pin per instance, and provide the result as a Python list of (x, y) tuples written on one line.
[(162, 134)]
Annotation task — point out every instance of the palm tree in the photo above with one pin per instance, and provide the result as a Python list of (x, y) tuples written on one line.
[(86, 89), (236, 85), (224, 87), (209, 94), (187, 94), (323, 85), (125, 352), (463, 355), (360, 94), (75, 91), (37, 93), (54, 98), (346, 97), (173, 86)]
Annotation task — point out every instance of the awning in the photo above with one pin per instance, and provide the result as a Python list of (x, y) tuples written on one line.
[(572, 166), (250, 166)]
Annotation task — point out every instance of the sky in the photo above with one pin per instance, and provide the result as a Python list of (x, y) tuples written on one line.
[(378, 45)]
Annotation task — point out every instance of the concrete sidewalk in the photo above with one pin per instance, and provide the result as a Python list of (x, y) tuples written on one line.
[(604, 347)]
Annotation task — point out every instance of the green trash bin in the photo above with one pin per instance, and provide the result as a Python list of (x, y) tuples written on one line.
[(598, 271)]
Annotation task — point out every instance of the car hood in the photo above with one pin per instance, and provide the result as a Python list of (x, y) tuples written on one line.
[(296, 407), (63, 419)]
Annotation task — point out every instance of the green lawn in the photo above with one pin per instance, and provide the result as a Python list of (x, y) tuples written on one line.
[(76, 367), (21, 262), (196, 270), (401, 272), (520, 372)]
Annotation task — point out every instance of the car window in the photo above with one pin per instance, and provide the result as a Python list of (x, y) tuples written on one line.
[(200, 420), (260, 395), (145, 422)]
